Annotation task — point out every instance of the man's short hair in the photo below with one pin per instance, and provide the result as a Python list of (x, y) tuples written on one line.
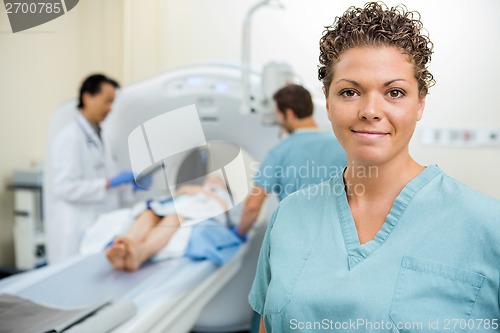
[(296, 98), (92, 85)]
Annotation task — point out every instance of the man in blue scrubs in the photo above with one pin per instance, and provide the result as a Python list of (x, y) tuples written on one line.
[(307, 156)]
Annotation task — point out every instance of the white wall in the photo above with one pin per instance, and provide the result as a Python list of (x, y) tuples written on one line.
[(132, 40)]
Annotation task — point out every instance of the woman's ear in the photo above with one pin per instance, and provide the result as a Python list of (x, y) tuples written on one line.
[(421, 106)]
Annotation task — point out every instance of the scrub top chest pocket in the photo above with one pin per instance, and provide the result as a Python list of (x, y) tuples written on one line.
[(432, 294)]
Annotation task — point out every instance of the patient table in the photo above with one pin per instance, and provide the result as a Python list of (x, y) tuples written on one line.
[(165, 297)]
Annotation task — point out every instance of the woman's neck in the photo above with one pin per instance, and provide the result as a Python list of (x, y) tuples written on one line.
[(371, 183)]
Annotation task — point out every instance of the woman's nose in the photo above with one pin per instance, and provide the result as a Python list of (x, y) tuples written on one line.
[(370, 108)]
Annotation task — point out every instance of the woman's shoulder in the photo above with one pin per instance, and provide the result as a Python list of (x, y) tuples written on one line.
[(461, 191), (301, 214), (315, 194), (470, 201)]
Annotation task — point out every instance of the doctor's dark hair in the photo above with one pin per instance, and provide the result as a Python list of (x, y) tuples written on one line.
[(92, 85), (377, 25), (296, 98)]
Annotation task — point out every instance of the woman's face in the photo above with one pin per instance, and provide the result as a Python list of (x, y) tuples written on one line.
[(373, 104)]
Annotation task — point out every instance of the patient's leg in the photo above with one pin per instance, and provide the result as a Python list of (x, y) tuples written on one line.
[(116, 255), (138, 232), (157, 239), (142, 226)]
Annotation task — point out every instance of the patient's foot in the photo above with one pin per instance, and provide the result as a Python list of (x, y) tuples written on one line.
[(116, 255), (134, 254)]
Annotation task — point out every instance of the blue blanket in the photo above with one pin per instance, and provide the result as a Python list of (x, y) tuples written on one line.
[(212, 241)]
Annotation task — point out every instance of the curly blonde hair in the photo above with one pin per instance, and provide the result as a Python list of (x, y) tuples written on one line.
[(377, 25)]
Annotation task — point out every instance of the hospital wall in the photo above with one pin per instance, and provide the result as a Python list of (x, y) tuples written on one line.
[(133, 40)]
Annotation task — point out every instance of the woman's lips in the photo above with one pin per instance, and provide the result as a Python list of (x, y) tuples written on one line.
[(370, 134)]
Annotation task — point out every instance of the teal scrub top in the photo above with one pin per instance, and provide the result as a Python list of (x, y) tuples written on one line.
[(306, 157), (434, 266)]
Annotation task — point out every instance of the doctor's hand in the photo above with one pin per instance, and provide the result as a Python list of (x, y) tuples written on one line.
[(143, 183), (124, 177)]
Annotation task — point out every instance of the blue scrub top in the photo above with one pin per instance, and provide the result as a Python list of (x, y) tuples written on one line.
[(307, 156), (433, 267)]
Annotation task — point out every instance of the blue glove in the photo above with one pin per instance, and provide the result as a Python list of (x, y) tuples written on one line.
[(124, 177), (243, 238), (144, 183)]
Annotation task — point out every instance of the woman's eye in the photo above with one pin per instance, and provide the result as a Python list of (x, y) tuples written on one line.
[(348, 93), (395, 93)]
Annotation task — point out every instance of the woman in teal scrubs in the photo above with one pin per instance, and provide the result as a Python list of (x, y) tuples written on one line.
[(387, 245)]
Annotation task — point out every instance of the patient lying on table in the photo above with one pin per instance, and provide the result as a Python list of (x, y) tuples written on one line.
[(155, 226)]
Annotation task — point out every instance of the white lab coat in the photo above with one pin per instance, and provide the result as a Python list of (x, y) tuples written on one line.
[(80, 166)]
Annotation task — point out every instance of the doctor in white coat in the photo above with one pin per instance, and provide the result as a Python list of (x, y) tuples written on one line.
[(85, 181)]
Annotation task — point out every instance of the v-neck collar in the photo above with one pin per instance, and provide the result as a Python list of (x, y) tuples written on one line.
[(357, 252)]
